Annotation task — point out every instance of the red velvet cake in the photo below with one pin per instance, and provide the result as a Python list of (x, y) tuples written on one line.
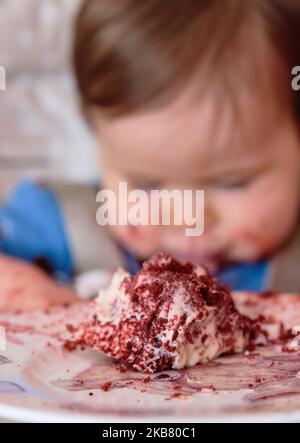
[(169, 315)]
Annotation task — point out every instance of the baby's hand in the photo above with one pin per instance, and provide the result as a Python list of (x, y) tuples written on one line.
[(24, 287)]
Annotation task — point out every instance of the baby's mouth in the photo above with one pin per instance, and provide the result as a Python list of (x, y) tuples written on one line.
[(211, 261)]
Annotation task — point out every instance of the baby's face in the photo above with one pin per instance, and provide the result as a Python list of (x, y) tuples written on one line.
[(248, 168)]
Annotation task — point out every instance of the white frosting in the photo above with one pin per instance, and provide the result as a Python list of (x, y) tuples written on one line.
[(109, 303)]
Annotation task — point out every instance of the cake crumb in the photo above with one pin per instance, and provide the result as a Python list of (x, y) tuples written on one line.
[(106, 386)]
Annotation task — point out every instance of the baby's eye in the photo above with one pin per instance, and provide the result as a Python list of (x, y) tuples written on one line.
[(149, 186), (232, 184)]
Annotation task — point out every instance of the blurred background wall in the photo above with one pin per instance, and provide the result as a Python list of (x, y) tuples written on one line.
[(41, 130)]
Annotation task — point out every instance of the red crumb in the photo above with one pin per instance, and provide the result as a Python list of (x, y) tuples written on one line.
[(121, 367), (70, 345), (175, 395), (70, 328), (146, 379), (106, 386)]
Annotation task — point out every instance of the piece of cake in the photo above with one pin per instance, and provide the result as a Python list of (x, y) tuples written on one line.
[(170, 315)]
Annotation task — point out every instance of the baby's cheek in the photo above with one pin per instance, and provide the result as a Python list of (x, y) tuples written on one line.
[(253, 242), (263, 235), (257, 226)]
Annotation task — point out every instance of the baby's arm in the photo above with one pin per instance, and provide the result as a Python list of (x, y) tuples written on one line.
[(24, 287), (31, 229), (54, 225)]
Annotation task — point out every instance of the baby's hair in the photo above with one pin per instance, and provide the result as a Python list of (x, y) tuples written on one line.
[(133, 55)]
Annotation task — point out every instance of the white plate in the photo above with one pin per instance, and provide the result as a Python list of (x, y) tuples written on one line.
[(41, 381)]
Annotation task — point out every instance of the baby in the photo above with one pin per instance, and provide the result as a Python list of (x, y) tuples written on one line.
[(182, 94)]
